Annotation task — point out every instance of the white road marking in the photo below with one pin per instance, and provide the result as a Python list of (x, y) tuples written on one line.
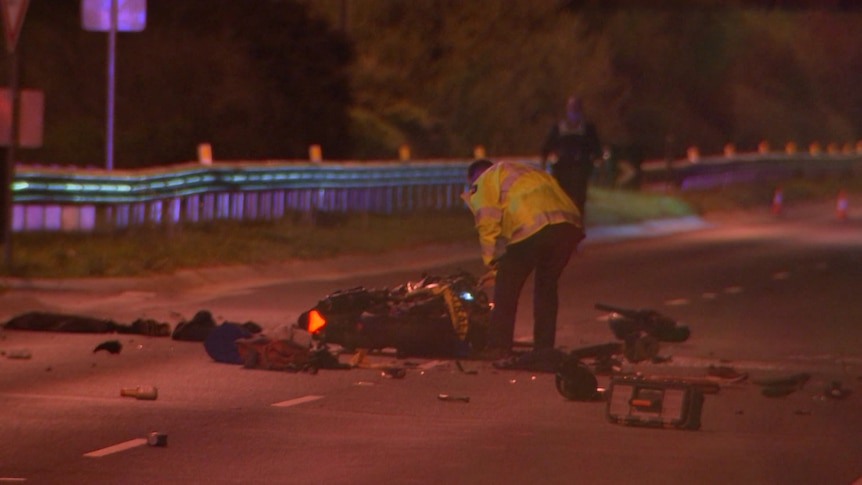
[(126, 445), (430, 364), (677, 302), (781, 275), (299, 400), (12, 479)]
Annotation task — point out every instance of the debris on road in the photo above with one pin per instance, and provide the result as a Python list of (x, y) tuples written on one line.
[(60, 322), (433, 317), (575, 381), (642, 330), (111, 346), (394, 372), (836, 391), (157, 439), (726, 373), (451, 398), (146, 393), (602, 358), (196, 329), (222, 343), (17, 354), (654, 403), (782, 386)]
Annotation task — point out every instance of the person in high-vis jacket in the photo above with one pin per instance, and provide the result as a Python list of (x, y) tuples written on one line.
[(526, 223)]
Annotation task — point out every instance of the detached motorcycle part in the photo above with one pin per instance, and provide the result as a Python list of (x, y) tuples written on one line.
[(640, 349), (575, 381)]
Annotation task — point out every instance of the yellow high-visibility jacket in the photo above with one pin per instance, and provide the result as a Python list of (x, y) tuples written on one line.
[(512, 201)]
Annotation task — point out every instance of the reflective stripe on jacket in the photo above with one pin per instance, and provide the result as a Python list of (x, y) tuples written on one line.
[(512, 201)]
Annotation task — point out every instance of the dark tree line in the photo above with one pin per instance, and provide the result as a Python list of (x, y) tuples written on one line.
[(256, 79), (264, 79)]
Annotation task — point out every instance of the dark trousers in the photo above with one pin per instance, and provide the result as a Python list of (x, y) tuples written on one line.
[(547, 253), (575, 180)]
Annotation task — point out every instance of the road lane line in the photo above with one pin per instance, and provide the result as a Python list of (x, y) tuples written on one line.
[(126, 445), (299, 400), (429, 365)]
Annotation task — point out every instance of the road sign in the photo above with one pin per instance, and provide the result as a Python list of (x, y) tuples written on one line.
[(131, 15), (13, 18), (30, 113)]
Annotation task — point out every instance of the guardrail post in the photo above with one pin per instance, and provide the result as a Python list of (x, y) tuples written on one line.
[(315, 154), (479, 152), (205, 154), (693, 154)]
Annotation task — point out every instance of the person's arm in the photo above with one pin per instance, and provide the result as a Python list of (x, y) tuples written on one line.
[(484, 203)]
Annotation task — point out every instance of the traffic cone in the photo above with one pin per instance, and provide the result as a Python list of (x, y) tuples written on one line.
[(841, 205), (777, 201)]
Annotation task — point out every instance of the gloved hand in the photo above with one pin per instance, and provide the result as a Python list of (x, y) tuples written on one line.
[(487, 278)]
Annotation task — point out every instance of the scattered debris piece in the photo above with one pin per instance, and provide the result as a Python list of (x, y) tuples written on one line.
[(147, 393), (726, 372), (782, 386), (112, 346), (433, 317), (705, 385), (17, 354), (224, 343), (60, 322), (395, 372), (196, 329), (642, 330), (836, 391), (798, 380), (157, 439), (778, 391), (575, 381), (146, 326), (602, 358), (647, 402), (262, 352), (449, 397)]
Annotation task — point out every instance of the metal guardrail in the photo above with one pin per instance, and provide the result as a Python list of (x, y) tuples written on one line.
[(712, 171), (75, 199)]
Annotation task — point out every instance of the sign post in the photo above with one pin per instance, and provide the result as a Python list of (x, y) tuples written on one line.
[(13, 19), (112, 16)]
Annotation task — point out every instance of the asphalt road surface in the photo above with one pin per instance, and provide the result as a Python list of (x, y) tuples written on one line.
[(762, 295)]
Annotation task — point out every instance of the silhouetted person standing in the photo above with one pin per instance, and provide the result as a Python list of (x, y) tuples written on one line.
[(575, 142)]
